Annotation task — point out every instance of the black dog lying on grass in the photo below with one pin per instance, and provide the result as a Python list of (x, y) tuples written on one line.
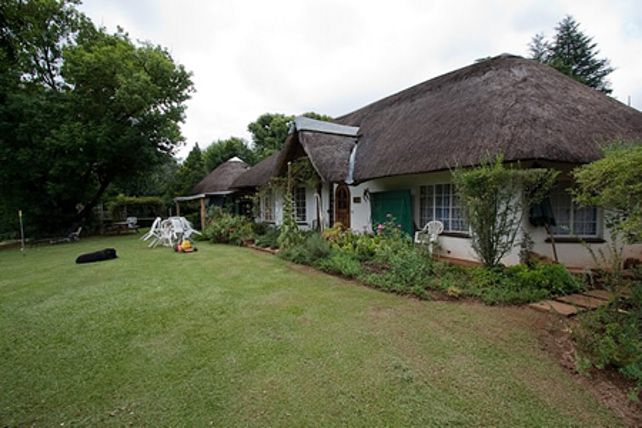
[(98, 256)]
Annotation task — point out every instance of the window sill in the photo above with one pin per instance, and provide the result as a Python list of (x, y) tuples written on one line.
[(576, 240), (456, 234)]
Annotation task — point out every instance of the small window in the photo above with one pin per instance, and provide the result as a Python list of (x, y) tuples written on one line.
[(299, 204), (267, 207), (440, 202), (571, 219)]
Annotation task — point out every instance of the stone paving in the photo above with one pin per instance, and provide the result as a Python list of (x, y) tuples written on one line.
[(574, 303)]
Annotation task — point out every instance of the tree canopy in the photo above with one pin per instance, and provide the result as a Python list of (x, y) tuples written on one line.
[(270, 130), (222, 150), (573, 53), (615, 184), (79, 109), (190, 172)]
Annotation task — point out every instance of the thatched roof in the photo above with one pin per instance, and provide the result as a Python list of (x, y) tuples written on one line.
[(506, 105), (221, 178), (259, 174), (327, 145), (328, 153)]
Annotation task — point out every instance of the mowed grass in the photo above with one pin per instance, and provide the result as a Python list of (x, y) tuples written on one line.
[(232, 337)]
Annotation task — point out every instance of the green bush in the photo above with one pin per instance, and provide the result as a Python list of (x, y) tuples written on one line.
[(225, 228), (554, 278), (513, 285), (312, 249), (521, 283), (611, 336), (341, 263), (268, 239), (363, 246), (399, 268), (121, 206)]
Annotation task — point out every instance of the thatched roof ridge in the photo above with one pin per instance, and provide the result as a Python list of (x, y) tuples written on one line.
[(259, 174), (221, 178), (507, 105)]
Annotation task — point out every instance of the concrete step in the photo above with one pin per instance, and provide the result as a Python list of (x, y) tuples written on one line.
[(554, 307)]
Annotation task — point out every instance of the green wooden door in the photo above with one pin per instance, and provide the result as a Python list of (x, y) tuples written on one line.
[(397, 203)]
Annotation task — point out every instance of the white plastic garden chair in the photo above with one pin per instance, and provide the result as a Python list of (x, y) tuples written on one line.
[(153, 232), (165, 236), (429, 234), (188, 230), (132, 223)]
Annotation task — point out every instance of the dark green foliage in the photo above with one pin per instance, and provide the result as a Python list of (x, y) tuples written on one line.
[(267, 237), (611, 336), (123, 206), (225, 228), (190, 172), (222, 150), (158, 181), (573, 53), (80, 109)]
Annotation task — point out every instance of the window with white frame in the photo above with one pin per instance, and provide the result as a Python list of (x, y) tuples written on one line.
[(440, 202), (267, 207), (299, 203), (571, 219)]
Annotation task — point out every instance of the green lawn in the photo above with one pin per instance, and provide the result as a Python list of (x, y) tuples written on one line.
[(229, 336)]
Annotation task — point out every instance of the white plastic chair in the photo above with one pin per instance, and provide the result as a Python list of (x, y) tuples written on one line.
[(429, 234), (153, 232), (177, 229)]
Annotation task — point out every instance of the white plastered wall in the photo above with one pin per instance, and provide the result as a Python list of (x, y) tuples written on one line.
[(572, 254)]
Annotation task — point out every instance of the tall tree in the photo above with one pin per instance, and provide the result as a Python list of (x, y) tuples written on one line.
[(222, 150), (270, 130), (573, 53), (80, 109), (190, 172)]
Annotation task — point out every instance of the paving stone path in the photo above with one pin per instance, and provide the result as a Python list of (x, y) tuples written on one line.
[(574, 303)]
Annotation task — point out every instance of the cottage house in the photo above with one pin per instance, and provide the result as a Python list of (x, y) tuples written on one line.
[(396, 155), (215, 189)]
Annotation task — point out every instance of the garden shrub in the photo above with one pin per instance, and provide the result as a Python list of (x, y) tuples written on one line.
[(611, 336), (268, 239), (341, 263), (400, 268), (513, 285), (495, 197), (312, 248), (363, 246), (225, 228)]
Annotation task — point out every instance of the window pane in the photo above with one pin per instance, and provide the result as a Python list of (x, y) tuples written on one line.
[(561, 202), (459, 223), (585, 221), (442, 204), (425, 205), (299, 203), (268, 207)]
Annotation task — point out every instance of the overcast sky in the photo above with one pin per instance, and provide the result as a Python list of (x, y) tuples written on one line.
[(332, 57)]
